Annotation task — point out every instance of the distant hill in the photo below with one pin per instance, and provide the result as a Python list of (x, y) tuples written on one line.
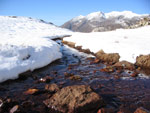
[(99, 21)]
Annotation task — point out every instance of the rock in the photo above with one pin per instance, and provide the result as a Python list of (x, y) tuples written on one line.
[(68, 74), (31, 91), (96, 61), (86, 51), (15, 109), (6, 105), (75, 77), (124, 65), (134, 74), (102, 110), (111, 57), (71, 44), (106, 110), (108, 69), (1, 102), (79, 48), (116, 76), (141, 110), (51, 87), (120, 112), (143, 61), (75, 99), (27, 104)]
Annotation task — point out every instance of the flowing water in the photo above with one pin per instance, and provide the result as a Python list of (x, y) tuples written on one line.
[(121, 93)]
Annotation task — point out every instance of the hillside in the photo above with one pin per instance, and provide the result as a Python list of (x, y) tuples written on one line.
[(99, 21)]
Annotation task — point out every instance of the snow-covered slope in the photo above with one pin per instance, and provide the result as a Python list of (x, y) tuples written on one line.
[(28, 26), (99, 21), (129, 43), (126, 14), (25, 44)]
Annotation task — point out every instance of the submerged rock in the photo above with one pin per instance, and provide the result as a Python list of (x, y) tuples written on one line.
[(76, 77), (15, 109), (75, 99), (141, 110), (111, 57), (108, 69), (51, 87), (31, 91), (143, 61), (134, 74)]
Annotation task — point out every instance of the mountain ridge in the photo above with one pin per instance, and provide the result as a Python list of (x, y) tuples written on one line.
[(99, 21)]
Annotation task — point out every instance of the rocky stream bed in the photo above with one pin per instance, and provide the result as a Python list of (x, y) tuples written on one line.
[(93, 86)]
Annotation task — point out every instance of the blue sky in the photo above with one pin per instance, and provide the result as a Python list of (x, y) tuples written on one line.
[(60, 11)]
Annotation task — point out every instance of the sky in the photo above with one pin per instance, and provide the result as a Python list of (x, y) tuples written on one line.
[(60, 11)]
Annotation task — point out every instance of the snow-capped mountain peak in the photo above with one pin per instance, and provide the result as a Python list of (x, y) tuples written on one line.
[(95, 15), (78, 18)]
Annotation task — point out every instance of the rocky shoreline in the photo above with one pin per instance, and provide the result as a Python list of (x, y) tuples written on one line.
[(76, 84)]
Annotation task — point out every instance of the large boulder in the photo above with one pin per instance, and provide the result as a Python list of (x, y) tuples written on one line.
[(143, 61), (111, 57), (75, 99)]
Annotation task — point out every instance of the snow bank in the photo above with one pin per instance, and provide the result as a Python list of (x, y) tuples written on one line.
[(129, 43), (19, 56), (25, 44)]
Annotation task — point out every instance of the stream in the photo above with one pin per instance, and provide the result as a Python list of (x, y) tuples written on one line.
[(121, 92)]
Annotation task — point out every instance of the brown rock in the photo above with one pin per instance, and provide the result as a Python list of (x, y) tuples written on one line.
[(86, 51), (52, 87), (102, 110), (106, 110), (15, 109), (1, 102), (96, 61), (120, 112), (71, 44), (143, 61), (108, 69), (111, 57), (75, 77), (134, 74), (124, 65), (68, 74), (79, 47), (116, 76), (31, 91), (141, 110), (75, 99)]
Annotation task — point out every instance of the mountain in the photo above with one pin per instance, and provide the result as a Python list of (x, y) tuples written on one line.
[(99, 21)]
